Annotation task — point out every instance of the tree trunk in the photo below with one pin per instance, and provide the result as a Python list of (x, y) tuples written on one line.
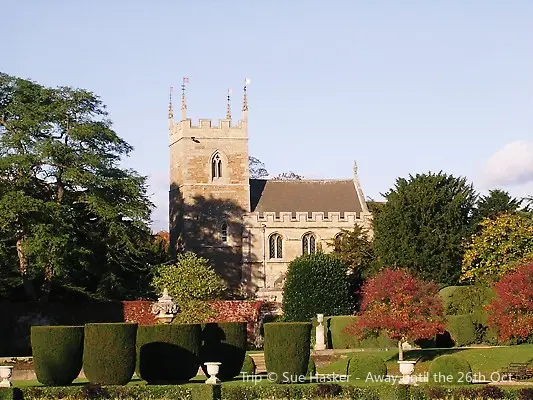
[(29, 289), (400, 350)]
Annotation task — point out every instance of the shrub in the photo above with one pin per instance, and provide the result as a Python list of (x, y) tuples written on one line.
[(287, 348), (168, 353), (191, 281), (311, 368), (248, 367), (395, 301), (462, 329), (511, 311), (459, 300), (449, 369), (316, 283), (226, 343), (109, 353), (360, 366), (57, 353)]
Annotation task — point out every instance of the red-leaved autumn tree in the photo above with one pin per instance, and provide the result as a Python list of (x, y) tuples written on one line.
[(511, 311), (401, 306)]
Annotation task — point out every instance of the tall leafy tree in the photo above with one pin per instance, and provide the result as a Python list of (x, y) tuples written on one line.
[(497, 202), (355, 249), (288, 176), (424, 225), (67, 208)]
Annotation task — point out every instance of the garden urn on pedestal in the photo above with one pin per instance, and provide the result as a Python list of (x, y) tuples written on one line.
[(5, 374), (406, 369), (165, 309), (212, 371), (320, 340)]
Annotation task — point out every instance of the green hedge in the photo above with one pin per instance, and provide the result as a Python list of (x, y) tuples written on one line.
[(225, 342), (462, 329), (109, 353), (361, 365), (459, 300), (450, 370), (248, 367), (338, 339), (255, 392), (311, 368), (287, 348), (168, 353), (57, 353)]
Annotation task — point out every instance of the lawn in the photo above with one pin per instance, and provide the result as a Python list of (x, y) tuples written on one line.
[(484, 362)]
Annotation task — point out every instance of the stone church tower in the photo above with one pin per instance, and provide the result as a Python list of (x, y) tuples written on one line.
[(209, 187)]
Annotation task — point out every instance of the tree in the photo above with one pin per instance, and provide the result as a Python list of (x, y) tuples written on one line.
[(511, 311), (424, 224), (497, 202), (257, 168), (65, 203), (288, 176), (316, 283), (497, 247), (191, 282), (400, 305), (355, 249)]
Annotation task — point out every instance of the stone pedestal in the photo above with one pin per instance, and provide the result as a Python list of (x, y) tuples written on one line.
[(320, 342)]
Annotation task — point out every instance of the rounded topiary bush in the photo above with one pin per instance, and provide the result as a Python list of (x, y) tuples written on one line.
[(365, 366), (248, 367), (57, 353), (450, 370), (109, 353), (224, 342), (168, 353), (316, 283), (462, 329), (287, 348)]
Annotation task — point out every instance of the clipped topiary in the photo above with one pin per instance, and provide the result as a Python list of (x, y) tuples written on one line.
[(248, 367), (366, 367), (109, 353), (287, 349), (450, 370), (57, 353), (168, 353), (462, 329), (224, 342), (311, 368), (316, 283)]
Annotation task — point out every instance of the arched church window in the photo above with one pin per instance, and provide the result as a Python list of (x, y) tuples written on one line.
[(224, 232), (216, 166), (275, 246), (308, 244)]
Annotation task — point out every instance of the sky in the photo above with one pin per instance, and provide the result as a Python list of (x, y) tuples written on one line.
[(401, 87)]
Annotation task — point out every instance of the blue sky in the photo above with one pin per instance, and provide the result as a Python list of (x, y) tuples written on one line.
[(400, 86)]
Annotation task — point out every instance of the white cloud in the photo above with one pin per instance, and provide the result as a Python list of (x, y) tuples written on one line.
[(512, 165)]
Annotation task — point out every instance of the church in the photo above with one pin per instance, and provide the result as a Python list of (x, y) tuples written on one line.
[(250, 229)]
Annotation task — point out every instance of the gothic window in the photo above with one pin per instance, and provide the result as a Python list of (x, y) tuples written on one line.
[(224, 232), (308, 244), (216, 166), (275, 245)]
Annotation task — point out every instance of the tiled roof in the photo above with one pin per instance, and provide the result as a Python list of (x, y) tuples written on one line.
[(304, 196)]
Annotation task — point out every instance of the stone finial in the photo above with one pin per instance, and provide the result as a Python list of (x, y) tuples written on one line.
[(228, 108), (170, 107), (183, 102), (355, 168), (245, 99)]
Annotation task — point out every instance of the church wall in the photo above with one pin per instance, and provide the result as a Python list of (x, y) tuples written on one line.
[(256, 246)]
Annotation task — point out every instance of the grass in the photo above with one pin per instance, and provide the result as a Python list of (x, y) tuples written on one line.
[(484, 362)]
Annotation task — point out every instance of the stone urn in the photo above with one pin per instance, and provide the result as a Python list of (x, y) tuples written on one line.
[(212, 371), (165, 309), (5, 374), (406, 369), (320, 339)]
